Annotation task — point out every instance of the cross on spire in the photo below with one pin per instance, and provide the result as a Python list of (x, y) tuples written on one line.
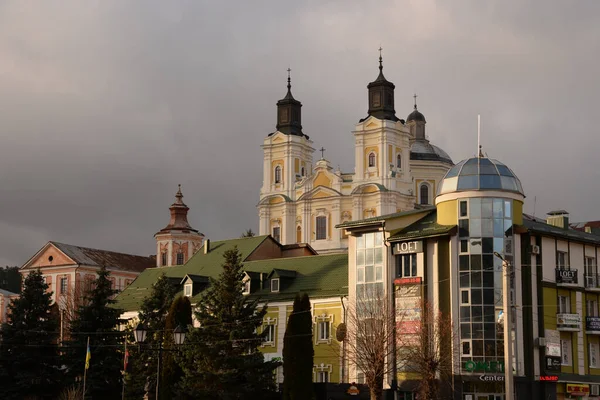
[(289, 79), (322, 150), (380, 59), (415, 97)]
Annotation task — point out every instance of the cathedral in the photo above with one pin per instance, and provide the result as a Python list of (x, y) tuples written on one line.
[(396, 169)]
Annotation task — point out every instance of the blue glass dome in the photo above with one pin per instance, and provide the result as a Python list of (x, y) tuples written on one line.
[(480, 173)]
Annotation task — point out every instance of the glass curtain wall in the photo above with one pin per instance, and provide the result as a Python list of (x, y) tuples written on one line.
[(485, 227)]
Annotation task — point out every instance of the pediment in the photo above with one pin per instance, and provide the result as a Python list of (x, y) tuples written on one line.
[(320, 192), (48, 256)]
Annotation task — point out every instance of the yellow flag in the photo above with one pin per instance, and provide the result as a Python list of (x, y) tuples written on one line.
[(88, 357)]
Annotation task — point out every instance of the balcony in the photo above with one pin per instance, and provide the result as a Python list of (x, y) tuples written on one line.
[(592, 325), (592, 282), (566, 277), (568, 322)]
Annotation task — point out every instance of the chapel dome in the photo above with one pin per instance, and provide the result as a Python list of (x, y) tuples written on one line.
[(480, 173), (424, 150)]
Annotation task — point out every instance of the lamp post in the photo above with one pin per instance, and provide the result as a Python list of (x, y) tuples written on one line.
[(141, 332), (508, 370)]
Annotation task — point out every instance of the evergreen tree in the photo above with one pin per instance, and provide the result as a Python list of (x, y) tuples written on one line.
[(180, 314), (221, 359), (10, 279), (97, 320), (153, 313), (29, 356), (248, 233), (298, 352)]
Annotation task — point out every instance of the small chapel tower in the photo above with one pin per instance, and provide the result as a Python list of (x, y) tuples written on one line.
[(178, 241)]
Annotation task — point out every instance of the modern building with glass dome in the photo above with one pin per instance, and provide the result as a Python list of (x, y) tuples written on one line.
[(443, 255)]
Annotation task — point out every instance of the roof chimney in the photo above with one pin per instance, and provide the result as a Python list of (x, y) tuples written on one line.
[(206, 246), (558, 218)]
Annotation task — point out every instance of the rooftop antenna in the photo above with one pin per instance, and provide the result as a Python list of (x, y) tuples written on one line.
[(534, 201), (479, 153)]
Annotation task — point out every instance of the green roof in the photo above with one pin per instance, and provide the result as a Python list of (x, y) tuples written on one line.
[(322, 276), (200, 264), (425, 227), (381, 218)]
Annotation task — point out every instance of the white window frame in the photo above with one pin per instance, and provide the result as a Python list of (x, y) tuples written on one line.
[(321, 321), (564, 305), (458, 211), (565, 261), (412, 257), (322, 371), (593, 355), (593, 306), (270, 324), (275, 285), (188, 289), (468, 292), (566, 352), (64, 288), (246, 288)]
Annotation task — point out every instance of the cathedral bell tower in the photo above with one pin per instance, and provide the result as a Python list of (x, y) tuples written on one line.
[(381, 96), (178, 241), (287, 162)]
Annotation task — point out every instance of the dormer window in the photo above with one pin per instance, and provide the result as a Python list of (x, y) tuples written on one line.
[(371, 159), (246, 288), (275, 285), (187, 289)]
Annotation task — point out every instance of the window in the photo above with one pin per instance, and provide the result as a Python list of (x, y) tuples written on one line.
[(163, 259), (565, 351), (562, 259), (63, 285), (399, 161), (465, 347), (179, 258), (187, 289), (591, 275), (371, 159), (298, 234), (369, 262), (302, 171), (323, 376), (277, 233), (591, 308), (278, 174), (275, 285), (464, 297), (270, 334), (564, 305), (246, 289), (360, 378), (321, 228), (593, 356), (463, 209), (406, 265), (424, 194), (323, 330)]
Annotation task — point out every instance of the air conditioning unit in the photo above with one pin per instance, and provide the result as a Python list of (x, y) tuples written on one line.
[(541, 342), (535, 249), (595, 390)]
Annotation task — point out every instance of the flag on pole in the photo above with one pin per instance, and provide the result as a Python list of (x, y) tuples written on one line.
[(88, 356)]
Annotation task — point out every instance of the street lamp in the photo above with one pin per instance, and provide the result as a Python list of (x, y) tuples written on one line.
[(508, 370), (140, 333)]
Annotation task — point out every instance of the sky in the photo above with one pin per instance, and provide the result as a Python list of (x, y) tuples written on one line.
[(105, 106)]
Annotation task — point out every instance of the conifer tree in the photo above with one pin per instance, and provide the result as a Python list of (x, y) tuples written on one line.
[(180, 314), (153, 313), (298, 352), (96, 319), (29, 356), (220, 359)]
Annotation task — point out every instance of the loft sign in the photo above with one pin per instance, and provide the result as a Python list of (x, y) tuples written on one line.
[(408, 247), (484, 366)]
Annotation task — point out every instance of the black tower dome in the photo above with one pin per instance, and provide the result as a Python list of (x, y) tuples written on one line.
[(415, 115), (289, 116), (381, 96)]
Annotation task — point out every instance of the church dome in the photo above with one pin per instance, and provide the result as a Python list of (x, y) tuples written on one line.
[(416, 115), (423, 150), (480, 173)]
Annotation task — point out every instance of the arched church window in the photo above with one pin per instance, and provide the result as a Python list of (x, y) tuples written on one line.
[(299, 234), (424, 194), (278, 174), (371, 159), (399, 161)]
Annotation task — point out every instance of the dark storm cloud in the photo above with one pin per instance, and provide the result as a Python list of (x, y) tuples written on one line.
[(106, 106)]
